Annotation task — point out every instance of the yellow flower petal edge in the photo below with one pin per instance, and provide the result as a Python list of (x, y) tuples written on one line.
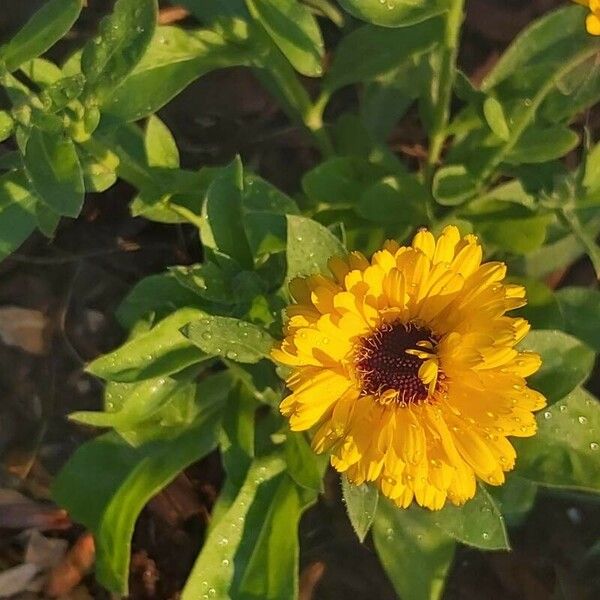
[(404, 368), (592, 21)]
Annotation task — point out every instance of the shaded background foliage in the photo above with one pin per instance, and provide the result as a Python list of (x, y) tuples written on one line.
[(73, 284)]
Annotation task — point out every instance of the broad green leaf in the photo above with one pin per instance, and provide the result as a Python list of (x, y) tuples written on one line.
[(340, 180), (453, 185), (98, 175), (539, 145), (394, 13), (230, 338), (213, 11), (106, 484), (17, 212), (222, 229), (6, 125), (42, 71), (304, 234), (123, 39), (370, 52), (542, 309), (216, 566), (580, 309), (161, 148), (206, 280), (42, 31), (564, 452), (161, 351), (361, 505), (495, 117), (566, 362), (477, 523), (157, 296), (294, 30), (47, 220), (415, 554), (395, 199), (304, 466), (53, 166), (515, 498), (174, 58)]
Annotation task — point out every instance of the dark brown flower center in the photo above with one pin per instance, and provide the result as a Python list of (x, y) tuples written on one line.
[(384, 365)]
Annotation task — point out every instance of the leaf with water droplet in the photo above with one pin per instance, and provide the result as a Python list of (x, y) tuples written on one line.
[(563, 453), (231, 338), (361, 505)]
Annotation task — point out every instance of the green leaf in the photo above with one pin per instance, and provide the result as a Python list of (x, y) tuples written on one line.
[(453, 185), (294, 30), (157, 296), (515, 498), (47, 219), (591, 179), (161, 148), (539, 145), (566, 362), (174, 58), (580, 308), (370, 52), (495, 117), (53, 166), (42, 31), (304, 466), (124, 37), (306, 234), (396, 199), (6, 125), (415, 554), (230, 338), (106, 484), (216, 566), (361, 505), (477, 523), (394, 13), (542, 309), (222, 229), (161, 351), (17, 212), (564, 452)]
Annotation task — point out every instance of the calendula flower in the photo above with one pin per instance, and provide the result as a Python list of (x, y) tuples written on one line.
[(405, 368), (593, 19)]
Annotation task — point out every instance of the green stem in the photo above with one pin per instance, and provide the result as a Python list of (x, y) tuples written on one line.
[(449, 52), (570, 218), (313, 120)]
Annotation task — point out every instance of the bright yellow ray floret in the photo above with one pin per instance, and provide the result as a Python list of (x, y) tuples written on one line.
[(592, 21), (404, 368)]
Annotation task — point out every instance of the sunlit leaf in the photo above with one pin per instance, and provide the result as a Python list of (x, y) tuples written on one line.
[(361, 505)]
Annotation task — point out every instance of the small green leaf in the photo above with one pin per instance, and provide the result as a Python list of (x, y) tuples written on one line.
[(304, 466), (124, 37), (294, 30), (370, 52), (452, 185), (41, 32), (54, 169), (156, 296), (222, 229), (580, 308), (361, 504), (394, 13), (161, 351), (539, 145), (17, 212), (230, 338), (415, 554), (310, 246), (6, 125), (161, 148), (106, 483), (215, 568), (477, 523), (495, 117), (564, 452), (566, 362), (591, 179)]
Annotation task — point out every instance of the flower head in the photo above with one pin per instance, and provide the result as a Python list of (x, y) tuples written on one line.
[(593, 19), (405, 368)]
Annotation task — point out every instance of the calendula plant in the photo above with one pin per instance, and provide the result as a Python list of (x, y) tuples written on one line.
[(356, 324)]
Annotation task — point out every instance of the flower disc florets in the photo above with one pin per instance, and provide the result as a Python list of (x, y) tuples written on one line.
[(405, 368)]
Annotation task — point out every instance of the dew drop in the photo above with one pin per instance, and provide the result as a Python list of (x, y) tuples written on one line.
[(562, 408), (547, 415), (485, 535), (594, 446), (225, 562), (583, 420), (212, 593)]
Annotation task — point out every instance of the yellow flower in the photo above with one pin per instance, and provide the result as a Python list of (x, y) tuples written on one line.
[(405, 369), (593, 19)]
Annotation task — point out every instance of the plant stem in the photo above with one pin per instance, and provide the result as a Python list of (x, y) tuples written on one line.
[(449, 52)]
